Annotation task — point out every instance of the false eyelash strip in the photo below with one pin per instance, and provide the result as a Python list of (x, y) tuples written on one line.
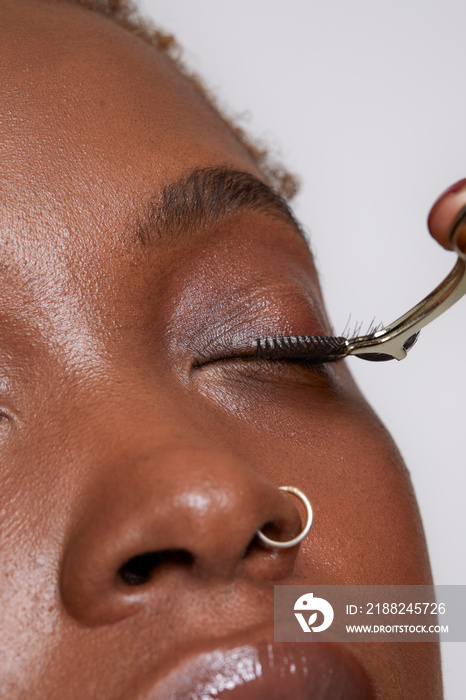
[(309, 348), (319, 348)]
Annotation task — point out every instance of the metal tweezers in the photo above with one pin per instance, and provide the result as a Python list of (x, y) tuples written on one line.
[(395, 340)]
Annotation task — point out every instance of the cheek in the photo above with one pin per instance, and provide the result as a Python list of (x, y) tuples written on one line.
[(318, 434), (367, 525)]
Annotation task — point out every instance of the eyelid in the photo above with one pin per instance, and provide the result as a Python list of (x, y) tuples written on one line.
[(309, 350), (228, 325), (258, 373)]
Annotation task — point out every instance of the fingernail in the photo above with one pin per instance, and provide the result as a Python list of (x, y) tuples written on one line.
[(445, 209), (461, 184), (453, 189)]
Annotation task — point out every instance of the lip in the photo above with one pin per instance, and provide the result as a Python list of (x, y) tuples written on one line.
[(260, 669)]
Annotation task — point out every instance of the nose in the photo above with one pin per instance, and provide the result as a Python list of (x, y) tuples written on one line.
[(168, 516)]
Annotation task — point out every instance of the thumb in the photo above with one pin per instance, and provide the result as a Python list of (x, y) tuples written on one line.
[(443, 213)]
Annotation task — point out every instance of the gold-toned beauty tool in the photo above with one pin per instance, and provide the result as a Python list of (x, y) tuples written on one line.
[(388, 343)]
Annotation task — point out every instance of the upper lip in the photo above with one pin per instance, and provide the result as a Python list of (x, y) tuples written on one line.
[(250, 666)]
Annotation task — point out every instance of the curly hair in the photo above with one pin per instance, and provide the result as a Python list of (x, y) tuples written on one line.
[(126, 15)]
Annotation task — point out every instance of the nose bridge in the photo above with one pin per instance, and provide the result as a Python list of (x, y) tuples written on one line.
[(167, 502)]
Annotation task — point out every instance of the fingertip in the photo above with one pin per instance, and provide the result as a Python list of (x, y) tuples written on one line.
[(443, 214)]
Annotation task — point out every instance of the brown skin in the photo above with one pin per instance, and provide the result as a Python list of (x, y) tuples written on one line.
[(112, 444)]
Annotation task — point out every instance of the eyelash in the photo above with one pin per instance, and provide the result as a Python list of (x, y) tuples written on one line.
[(305, 348), (297, 349)]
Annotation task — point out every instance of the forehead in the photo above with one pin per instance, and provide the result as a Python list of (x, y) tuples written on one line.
[(93, 119), (95, 123)]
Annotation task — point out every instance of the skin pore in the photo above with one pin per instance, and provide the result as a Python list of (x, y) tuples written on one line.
[(128, 425)]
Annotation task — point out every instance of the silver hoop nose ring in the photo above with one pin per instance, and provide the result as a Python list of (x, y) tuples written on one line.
[(296, 540)]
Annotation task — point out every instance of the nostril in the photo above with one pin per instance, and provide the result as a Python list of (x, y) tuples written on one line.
[(271, 528), (139, 569)]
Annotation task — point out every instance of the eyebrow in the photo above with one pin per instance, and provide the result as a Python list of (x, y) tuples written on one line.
[(203, 197)]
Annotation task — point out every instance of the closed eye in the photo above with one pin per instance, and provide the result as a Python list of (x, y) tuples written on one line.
[(301, 348)]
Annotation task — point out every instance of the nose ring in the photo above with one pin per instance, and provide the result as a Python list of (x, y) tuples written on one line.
[(296, 540)]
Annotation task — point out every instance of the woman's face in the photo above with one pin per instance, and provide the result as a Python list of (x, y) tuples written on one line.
[(130, 425)]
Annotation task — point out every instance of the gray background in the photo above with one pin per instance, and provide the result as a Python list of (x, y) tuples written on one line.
[(366, 102)]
